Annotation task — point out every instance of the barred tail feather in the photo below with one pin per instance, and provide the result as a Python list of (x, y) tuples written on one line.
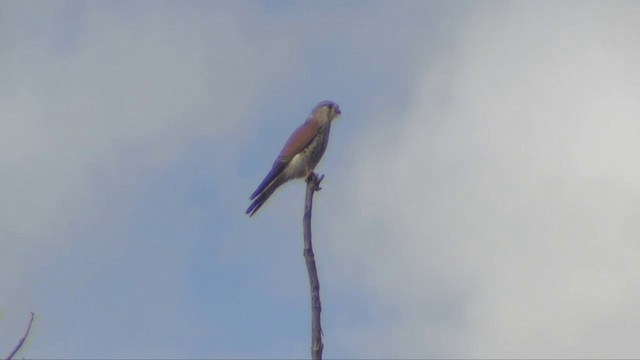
[(262, 197), (276, 170)]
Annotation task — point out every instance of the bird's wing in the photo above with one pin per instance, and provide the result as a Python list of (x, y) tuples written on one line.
[(300, 138)]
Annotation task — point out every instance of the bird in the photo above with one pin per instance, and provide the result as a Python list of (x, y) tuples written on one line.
[(300, 154)]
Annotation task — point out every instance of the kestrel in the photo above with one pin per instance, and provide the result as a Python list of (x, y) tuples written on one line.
[(300, 154)]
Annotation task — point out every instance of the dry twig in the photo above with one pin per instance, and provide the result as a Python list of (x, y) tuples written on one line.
[(17, 348), (313, 185)]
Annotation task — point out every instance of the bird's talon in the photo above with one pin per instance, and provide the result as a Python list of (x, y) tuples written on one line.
[(318, 180)]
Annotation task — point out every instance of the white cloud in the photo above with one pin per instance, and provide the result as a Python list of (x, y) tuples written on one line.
[(502, 221), (90, 116)]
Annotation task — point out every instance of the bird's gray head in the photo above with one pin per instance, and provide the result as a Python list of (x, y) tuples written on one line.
[(326, 111)]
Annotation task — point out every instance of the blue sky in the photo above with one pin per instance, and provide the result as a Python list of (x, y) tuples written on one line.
[(481, 196)]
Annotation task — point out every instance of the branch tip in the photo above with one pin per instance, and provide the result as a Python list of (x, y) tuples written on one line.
[(26, 333)]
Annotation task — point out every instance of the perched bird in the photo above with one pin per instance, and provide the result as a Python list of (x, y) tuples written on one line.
[(300, 154)]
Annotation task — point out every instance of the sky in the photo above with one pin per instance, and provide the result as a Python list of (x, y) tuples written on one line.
[(481, 195)]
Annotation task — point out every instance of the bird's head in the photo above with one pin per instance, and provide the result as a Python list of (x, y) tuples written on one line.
[(326, 111)]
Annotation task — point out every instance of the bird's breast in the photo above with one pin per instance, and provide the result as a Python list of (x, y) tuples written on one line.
[(310, 155)]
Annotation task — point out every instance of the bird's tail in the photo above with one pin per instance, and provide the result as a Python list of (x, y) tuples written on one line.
[(261, 198)]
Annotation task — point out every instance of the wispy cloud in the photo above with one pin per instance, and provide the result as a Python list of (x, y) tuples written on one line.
[(88, 120), (501, 220)]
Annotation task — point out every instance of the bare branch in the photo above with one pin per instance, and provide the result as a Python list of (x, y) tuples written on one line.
[(17, 348), (313, 185)]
